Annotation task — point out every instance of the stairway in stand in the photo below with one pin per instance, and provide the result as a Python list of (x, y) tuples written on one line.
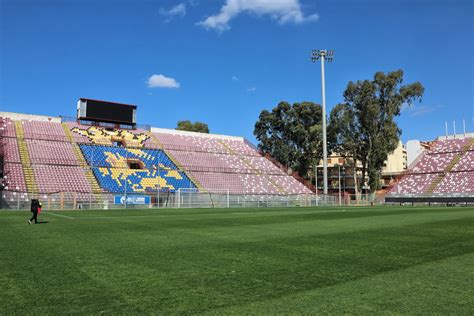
[(96, 189), (170, 156), (28, 172), (449, 167)]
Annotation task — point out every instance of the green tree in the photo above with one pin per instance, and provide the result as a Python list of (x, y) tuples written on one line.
[(364, 126), (192, 127), (291, 134)]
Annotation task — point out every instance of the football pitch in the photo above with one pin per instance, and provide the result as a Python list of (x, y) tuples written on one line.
[(393, 260)]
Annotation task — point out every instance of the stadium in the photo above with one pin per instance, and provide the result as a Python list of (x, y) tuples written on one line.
[(179, 157), (101, 161), (190, 185)]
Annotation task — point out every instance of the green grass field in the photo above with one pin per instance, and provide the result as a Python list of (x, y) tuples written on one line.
[(393, 260)]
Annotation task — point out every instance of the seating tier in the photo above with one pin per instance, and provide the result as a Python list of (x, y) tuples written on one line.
[(107, 156), (119, 180), (56, 178), (44, 130), (434, 162), (414, 183), (14, 177), (450, 162), (466, 163), (449, 145), (50, 152), (462, 181), (10, 150), (205, 144)]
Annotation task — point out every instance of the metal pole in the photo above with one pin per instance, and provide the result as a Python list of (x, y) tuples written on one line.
[(158, 196), (159, 177), (446, 125), (344, 182), (464, 127), (316, 182), (179, 198), (125, 188), (339, 180), (323, 55), (126, 180), (454, 128), (325, 153)]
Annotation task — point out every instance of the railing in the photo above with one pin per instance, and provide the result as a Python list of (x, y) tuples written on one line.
[(201, 149), (252, 145), (433, 194), (182, 198), (65, 119)]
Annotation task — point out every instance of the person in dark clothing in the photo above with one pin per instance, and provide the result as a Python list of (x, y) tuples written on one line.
[(35, 204)]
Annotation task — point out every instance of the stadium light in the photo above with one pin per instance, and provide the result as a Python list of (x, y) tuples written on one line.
[(323, 55)]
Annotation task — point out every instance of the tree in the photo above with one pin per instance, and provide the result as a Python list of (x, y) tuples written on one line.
[(193, 127), (291, 134), (364, 126)]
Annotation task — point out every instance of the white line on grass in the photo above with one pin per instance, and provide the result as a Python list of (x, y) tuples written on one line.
[(163, 215), (59, 215)]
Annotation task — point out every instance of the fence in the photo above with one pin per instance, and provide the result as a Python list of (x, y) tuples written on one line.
[(182, 198), (452, 198)]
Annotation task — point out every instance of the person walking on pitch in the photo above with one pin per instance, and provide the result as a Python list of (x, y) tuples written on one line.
[(35, 209)]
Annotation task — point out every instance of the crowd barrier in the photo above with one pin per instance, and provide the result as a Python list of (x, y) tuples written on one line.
[(182, 198)]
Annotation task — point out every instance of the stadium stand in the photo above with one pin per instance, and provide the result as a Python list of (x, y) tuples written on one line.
[(44, 155), (447, 168)]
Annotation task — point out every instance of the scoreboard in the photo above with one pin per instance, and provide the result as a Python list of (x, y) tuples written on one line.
[(104, 111)]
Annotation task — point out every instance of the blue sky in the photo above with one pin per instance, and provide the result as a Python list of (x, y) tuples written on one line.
[(223, 61)]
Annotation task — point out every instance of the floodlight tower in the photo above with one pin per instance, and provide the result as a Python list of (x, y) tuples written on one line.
[(323, 55)]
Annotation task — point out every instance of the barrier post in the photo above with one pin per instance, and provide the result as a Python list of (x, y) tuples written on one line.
[(179, 198)]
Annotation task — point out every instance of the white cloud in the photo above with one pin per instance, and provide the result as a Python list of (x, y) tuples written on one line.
[(419, 110), (160, 81), (283, 11), (251, 89), (178, 10), (235, 78)]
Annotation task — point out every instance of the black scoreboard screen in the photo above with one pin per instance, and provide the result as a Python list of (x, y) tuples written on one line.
[(103, 111)]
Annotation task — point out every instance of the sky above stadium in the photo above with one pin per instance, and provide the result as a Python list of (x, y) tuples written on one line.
[(223, 61)]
